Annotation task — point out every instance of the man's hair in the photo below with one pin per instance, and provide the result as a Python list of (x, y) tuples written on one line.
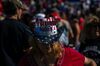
[(9, 8)]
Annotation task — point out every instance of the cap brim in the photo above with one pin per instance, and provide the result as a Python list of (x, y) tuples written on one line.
[(19, 4)]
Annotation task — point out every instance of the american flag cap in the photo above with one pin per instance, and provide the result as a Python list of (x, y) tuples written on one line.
[(47, 30)]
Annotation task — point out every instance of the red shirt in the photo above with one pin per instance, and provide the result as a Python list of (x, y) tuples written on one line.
[(71, 58), (1, 9)]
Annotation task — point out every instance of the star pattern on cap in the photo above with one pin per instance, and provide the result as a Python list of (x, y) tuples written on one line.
[(46, 34)]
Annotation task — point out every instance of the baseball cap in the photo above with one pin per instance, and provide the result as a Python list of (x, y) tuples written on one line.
[(10, 7), (19, 4), (40, 16), (56, 15), (47, 30)]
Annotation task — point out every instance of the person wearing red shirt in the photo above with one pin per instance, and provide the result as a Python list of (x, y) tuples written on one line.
[(48, 51)]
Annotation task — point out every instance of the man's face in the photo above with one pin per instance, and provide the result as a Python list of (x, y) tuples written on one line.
[(19, 13)]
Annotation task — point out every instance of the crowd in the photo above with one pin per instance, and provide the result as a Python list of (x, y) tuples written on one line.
[(49, 33)]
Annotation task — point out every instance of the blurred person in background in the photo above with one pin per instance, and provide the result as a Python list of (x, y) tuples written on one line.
[(92, 30), (90, 46), (76, 31), (15, 38), (1, 11), (67, 33)]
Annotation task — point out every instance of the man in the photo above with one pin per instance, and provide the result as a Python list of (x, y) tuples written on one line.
[(15, 37), (48, 51), (67, 33), (91, 44)]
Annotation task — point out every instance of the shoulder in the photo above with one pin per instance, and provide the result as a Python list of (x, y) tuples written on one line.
[(10, 22), (74, 54)]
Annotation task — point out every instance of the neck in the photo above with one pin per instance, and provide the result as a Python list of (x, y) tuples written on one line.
[(14, 17)]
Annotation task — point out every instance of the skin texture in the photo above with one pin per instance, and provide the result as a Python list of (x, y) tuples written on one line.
[(90, 62)]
